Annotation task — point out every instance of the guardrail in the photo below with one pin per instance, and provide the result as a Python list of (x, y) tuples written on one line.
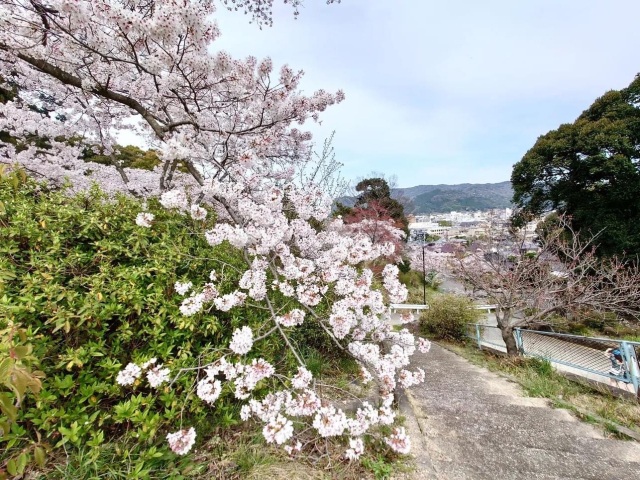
[(590, 357), (394, 307), (488, 308)]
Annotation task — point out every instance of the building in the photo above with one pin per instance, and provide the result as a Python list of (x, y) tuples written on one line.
[(421, 230)]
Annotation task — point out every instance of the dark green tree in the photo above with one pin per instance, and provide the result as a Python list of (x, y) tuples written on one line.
[(589, 170), (342, 210), (377, 190), (128, 156)]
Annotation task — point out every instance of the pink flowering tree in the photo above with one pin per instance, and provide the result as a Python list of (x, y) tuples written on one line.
[(565, 277), (302, 267), (433, 261), (434, 265), (375, 222), (225, 132), (102, 67)]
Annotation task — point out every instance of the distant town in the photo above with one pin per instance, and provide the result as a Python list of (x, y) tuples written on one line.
[(486, 230)]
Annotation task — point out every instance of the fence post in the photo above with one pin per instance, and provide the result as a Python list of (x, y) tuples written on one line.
[(632, 364), (519, 344), (478, 337)]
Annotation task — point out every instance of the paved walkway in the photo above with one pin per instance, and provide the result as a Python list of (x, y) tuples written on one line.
[(469, 423)]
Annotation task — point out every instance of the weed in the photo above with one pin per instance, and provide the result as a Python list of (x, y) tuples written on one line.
[(380, 467), (250, 457), (543, 367), (315, 362)]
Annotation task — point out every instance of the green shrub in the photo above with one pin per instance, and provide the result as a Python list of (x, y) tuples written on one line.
[(93, 291), (414, 283), (447, 317), (433, 280), (541, 366), (598, 320)]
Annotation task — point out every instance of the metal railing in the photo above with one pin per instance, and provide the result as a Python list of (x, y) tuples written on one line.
[(394, 307), (583, 356)]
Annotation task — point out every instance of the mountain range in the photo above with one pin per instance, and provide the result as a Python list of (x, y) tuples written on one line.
[(445, 198), (423, 199)]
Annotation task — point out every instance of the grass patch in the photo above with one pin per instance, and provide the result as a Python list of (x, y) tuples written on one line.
[(232, 454), (414, 282), (539, 379)]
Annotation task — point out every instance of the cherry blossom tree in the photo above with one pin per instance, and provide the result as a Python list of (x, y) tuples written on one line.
[(434, 266), (225, 133), (565, 277), (322, 168), (438, 263), (316, 269), (95, 66)]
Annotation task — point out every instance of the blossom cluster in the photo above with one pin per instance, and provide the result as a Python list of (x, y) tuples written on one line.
[(182, 441), (156, 375), (145, 219), (287, 254), (431, 261)]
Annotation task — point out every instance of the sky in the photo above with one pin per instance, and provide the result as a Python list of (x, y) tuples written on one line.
[(446, 91)]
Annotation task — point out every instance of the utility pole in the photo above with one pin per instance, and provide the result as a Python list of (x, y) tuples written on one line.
[(424, 277)]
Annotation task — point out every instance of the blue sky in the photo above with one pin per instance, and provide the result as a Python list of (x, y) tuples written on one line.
[(447, 91)]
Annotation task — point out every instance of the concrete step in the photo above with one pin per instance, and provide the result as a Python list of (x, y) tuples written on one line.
[(496, 391), (475, 472), (479, 402), (476, 425)]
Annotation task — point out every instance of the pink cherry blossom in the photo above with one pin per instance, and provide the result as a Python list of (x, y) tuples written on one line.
[(129, 375), (355, 450), (278, 430), (242, 341), (182, 287), (302, 379), (157, 376), (182, 441), (145, 219), (399, 441)]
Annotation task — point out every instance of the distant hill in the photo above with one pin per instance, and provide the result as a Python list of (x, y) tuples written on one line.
[(466, 196), (445, 198)]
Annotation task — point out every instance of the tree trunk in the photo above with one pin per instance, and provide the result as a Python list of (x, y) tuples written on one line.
[(503, 317), (510, 341)]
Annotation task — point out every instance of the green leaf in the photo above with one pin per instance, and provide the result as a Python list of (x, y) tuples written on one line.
[(5, 368), (21, 380), (40, 456), (12, 468), (5, 428), (22, 351), (7, 406), (22, 462)]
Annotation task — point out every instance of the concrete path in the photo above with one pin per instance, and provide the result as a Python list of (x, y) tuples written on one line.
[(469, 423)]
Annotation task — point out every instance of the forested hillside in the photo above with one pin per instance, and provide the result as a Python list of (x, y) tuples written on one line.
[(444, 198), (466, 196)]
